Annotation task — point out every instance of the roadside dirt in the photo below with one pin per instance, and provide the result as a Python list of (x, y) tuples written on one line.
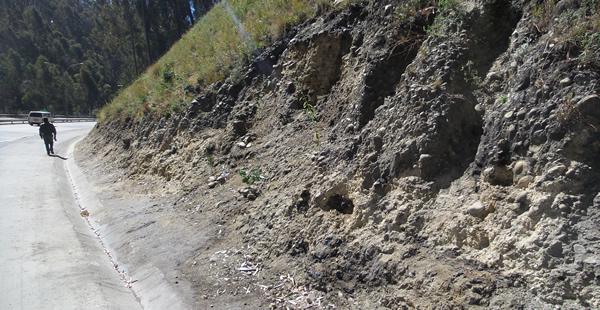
[(154, 239)]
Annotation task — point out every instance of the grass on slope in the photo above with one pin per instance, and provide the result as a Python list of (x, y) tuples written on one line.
[(223, 39)]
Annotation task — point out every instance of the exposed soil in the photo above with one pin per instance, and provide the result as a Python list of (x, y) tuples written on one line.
[(364, 162)]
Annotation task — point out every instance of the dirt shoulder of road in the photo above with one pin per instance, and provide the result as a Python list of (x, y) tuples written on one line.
[(155, 236)]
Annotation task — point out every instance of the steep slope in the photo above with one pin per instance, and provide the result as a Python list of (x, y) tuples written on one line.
[(393, 155)]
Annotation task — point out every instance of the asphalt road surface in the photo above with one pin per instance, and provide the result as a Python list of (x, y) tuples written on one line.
[(49, 257)]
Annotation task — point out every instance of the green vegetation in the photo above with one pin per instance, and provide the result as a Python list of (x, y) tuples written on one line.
[(209, 52), (585, 38), (311, 113), (252, 176), (543, 13), (72, 56), (590, 44), (567, 113), (445, 8), (409, 8), (210, 159), (436, 29), (579, 31), (503, 99)]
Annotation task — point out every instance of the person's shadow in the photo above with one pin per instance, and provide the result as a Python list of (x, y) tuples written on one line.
[(58, 156)]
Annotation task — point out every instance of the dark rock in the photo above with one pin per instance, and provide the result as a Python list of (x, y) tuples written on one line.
[(498, 175), (203, 103), (239, 127), (290, 88), (589, 106)]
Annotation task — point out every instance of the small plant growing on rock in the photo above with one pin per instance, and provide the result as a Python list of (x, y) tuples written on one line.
[(543, 14), (445, 9), (503, 99), (567, 114), (210, 161), (447, 5), (251, 176), (311, 113), (167, 73), (309, 110), (408, 9), (435, 30), (591, 49)]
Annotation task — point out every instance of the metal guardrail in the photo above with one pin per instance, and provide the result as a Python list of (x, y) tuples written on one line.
[(55, 116), (14, 115), (56, 120)]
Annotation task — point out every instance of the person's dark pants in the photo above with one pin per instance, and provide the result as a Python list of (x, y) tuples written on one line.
[(49, 145)]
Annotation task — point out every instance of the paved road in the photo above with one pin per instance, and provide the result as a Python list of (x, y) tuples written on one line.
[(49, 258)]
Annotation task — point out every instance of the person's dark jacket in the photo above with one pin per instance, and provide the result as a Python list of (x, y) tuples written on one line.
[(47, 131)]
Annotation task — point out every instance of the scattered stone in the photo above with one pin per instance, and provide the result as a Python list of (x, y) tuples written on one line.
[(579, 249), (350, 128), (290, 88), (565, 82), (250, 192), (498, 175), (524, 181), (589, 106), (477, 209), (556, 171), (555, 249), (213, 184), (239, 127), (84, 213), (591, 260), (426, 165), (388, 9), (377, 142), (522, 198), (222, 178), (520, 167)]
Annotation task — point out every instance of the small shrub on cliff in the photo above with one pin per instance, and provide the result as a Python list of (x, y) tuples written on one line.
[(567, 113), (543, 14), (250, 176), (408, 9), (311, 113), (591, 49), (579, 31), (445, 10), (503, 99), (447, 5), (309, 110)]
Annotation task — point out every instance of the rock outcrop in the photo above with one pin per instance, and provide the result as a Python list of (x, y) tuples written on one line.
[(447, 158)]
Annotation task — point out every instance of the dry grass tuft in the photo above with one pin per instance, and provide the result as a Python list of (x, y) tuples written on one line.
[(208, 53)]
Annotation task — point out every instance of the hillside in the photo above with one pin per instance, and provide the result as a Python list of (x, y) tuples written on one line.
[(381, 154), (72, 56)]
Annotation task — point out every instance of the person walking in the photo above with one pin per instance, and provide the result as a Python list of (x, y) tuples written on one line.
[(48, 133)]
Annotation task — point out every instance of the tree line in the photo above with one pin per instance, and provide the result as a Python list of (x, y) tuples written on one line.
[(72, 56)]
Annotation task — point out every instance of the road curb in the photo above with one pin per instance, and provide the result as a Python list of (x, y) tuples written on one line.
[(147, 283)]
